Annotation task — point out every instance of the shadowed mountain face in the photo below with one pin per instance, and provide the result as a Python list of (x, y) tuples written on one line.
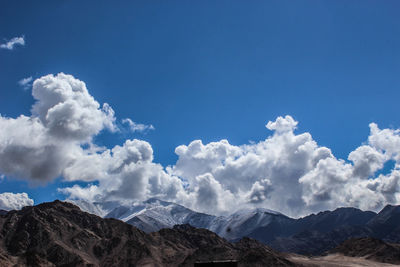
[(329, 220), (338, 226), (320, 223), (316, 233), (386, 225), (59, 233), (370, 248)]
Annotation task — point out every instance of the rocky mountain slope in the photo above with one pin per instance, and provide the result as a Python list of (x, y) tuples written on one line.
[(386, 225), (60, 234), (313, 240), (370, 248), (317, 233)]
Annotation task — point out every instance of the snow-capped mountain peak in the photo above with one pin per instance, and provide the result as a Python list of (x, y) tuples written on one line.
[(153, 214)]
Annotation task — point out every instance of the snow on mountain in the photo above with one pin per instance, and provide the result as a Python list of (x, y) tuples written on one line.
[(154, 214), (243, 222)]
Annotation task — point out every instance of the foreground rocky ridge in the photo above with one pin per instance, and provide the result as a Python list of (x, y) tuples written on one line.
[(59, 233)]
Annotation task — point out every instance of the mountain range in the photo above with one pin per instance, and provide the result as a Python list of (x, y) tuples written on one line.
[(310, 235), (154, 214), (60, 234)]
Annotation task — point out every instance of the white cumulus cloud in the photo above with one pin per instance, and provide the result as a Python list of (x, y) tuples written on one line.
[(13, 42), (67, 110), (11, 201), (124, 172), (64, 117)]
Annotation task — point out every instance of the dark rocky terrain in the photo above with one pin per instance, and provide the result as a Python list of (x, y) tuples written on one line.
[(60, 234), (386, 225), (316, 234), (355, 252), (282, 227), (370, 248), (315, 242)]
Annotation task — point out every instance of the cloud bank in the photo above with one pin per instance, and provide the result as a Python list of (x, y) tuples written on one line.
[(11, 201), (9, 45), (288, 171)]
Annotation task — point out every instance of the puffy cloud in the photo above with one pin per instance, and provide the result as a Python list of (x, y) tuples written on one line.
[(386, 140), (196, 158), (281, 124), (260, 191), (137, 127), (323, 185), (77, 192), (64, 117), (336, 183), (56, 140), (367, 160), (13, 42), (124, 173), (27, 152), (25, 82), (209, 194), (67, 110), (11, 201)]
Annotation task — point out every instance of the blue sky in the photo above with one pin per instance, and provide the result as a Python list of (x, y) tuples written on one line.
[(210, 70)]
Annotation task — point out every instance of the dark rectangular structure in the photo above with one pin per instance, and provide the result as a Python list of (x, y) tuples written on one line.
[(228, 263)]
